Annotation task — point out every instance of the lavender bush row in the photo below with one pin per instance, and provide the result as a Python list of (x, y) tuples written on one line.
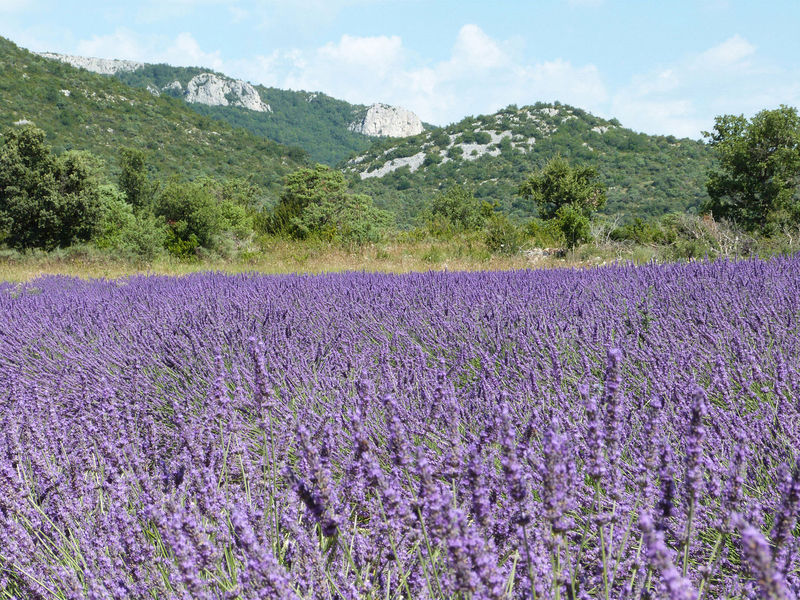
[(615, 433)]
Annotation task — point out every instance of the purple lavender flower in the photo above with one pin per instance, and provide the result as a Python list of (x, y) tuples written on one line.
[(659, 558), (425, 445), (759, 556), (787, 515), (556, 475)]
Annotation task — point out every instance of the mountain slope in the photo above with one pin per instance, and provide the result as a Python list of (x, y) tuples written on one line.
[(321, 125), (314, 121), (82, 110), (646, 175)]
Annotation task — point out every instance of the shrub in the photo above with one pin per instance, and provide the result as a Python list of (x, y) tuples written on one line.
[(350, 218), (457, 209), (301, 188), (440, 138), (133, 179), (315, 202), (194, 217), (639, 231), (455, 152), (502, 235), (126, 233), (182, 247), (543, 234), (574, 225), (432, 158), (482, 137)]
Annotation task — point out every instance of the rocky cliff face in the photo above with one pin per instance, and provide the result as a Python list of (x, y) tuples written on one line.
[(104, 66), (206, 88), (214, 90), (380, 120), (388, 121)]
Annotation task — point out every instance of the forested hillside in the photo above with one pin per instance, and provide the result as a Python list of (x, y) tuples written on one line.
[(313, 121), (645, 175), (85, 111)]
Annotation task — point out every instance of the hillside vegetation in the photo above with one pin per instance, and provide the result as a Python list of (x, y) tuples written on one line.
[(491, 155), (84, 111), (315, 122), (91, 164), (645, 175)]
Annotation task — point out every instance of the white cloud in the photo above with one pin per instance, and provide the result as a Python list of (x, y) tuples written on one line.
[(684, 97), (474, 49), (182, 50), (560, 80), (238, 14), (480, 75), (375, 55), (677, 116), (120, 44), (728, 54)]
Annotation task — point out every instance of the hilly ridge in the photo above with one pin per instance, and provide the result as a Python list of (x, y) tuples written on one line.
[(86, 111), (143, 105), (313, 121), (646, 175)]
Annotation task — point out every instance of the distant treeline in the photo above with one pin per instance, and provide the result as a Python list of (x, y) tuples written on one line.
[(52, 200)]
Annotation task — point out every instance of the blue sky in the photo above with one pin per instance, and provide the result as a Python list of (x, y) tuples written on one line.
[(659, 67)]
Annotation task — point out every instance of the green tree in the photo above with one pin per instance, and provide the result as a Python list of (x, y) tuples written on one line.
[(502, 235), (558, 184), (301, 188), (316, 202), (193, 215), (46, 201), (457, 208), (350, 218), (139, 235), (758, 180), (133, 179), (568, 195), (573, 223)]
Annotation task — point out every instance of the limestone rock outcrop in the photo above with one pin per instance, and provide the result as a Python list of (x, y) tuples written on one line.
[(382, 120), (214, 90), (175, 86), (104, 66)]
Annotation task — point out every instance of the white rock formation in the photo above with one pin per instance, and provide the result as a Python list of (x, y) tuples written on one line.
[(412, 162), (175, 85), (387, 121), (104, 66), (153, 90), (469, 152), (214, 90)]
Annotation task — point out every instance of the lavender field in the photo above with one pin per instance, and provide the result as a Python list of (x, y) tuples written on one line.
[(613, 433)]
